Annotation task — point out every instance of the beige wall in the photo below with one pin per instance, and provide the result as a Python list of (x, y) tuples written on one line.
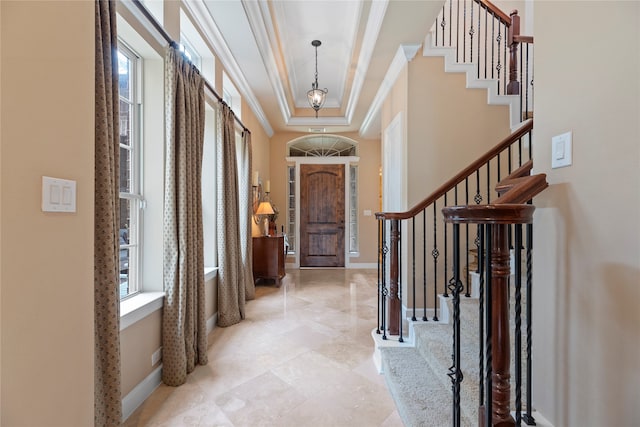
[(587, 229), (449, 126), (138, 342), (47, 113), (259, 149), (367, 187)]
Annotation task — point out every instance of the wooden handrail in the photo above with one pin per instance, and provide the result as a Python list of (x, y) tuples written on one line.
[(520, 190), (523, 39), (495, 10), (523, 170), (461, 176)]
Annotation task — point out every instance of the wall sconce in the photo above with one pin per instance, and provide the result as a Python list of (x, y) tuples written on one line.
[(257, 191)]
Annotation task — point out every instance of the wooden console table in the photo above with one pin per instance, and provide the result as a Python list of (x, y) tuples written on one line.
[(268, 258)]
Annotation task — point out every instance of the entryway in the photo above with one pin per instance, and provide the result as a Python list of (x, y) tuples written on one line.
[(322, 215)]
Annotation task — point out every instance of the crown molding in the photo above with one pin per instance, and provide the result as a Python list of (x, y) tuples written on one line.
[(205, 21), (374, 24), (319, 121), (404, 54), (261, 24)]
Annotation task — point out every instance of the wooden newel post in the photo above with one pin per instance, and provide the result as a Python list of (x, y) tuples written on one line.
[(500, 341), (513, 88), (500, 216), (394, 272)]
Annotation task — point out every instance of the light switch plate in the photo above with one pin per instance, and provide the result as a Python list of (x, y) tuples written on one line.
[(561, 150), (58, 195)]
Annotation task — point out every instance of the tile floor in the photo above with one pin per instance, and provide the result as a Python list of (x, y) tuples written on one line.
[(302, 357)]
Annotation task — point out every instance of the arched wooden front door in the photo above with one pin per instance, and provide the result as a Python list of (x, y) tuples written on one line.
[(321, 215)]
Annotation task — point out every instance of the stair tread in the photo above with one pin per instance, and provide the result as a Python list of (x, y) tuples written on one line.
[(421, 395)]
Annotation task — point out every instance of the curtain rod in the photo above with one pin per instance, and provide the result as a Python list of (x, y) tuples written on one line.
[(171, 42)]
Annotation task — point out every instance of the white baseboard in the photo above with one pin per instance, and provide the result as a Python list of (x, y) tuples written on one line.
[(212, 322), (354, 265), (141, 392)]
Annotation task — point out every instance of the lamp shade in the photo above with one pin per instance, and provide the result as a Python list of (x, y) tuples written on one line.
[(265, 208)]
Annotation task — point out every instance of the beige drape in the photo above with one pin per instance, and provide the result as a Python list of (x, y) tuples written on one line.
[(184, 332), (108, 409), (235, 279), (246, 213)]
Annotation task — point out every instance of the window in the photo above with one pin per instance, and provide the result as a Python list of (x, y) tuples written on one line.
[(130, 197), (190, 52), (291, 208), (231, 96), (353, 209)]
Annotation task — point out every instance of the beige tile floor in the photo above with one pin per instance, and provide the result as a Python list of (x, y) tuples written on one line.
[(302, 357)]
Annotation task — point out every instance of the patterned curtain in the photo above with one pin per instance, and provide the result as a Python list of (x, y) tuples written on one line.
[(235, 280), (184, 330), (246, 214), (107, 398)]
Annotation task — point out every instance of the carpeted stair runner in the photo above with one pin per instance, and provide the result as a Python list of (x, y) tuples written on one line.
[(417, 376), (421, 396)]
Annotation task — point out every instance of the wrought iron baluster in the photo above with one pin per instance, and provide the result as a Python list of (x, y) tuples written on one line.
[(450, 23), (509, 162), (443, 24), (526, 82), (435, 253), (493, 55), (385, 290), (518, 321), (499, 64), (399, 290), (478, 197), (471, 32), (488, 181), (487, 323), (528, 417), (464, 26), (505, 62), (413, 265), (499, 174), (424, 265), (379, 273), (523, 116), (455, 373), (446, 253), (481, 326), (479, 36), (519, 152), (486, 37), (467, 271)]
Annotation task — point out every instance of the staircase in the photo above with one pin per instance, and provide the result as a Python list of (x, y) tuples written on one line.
[(456, 365), (416, 375)]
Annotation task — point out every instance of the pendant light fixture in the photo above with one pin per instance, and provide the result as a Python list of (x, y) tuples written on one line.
[(316, 96)]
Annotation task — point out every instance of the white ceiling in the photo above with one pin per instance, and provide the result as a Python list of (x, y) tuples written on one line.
[(268, 53)]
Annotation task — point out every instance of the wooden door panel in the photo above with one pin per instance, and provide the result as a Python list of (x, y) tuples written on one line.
[(322, 215)]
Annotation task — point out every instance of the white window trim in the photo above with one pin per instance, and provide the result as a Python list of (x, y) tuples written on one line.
[(135, 191)]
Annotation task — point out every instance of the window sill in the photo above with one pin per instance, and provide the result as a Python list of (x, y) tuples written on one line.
[(141, 305), (138, 307), (210, 273)]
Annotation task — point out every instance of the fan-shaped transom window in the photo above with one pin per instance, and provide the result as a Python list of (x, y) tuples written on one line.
[(322, 146)]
